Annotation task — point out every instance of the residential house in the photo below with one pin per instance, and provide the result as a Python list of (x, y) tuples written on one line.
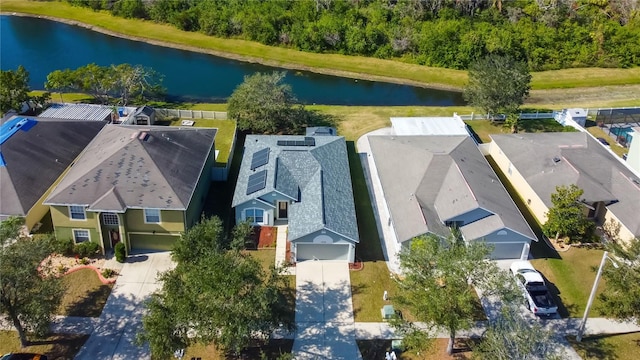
[(34, 154), (142, 186), (304, 182), (432, 183), (536, 164)]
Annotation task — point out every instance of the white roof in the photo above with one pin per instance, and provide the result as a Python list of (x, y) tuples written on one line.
[(429, 126), (577, 112), (78, 112)]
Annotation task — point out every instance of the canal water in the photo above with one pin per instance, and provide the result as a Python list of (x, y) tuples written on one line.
[(43, 46)]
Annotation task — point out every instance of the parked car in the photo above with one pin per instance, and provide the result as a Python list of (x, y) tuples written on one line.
[(537, 295), (603, 141)]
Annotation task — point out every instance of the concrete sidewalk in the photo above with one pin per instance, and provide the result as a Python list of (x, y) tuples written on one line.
[(114, 336), (324, 312)]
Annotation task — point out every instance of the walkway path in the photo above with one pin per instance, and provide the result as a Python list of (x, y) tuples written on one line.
[(281, 246), (324, 312)]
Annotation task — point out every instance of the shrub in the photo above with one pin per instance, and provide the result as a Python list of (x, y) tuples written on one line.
[(63, 247), (107, 273), (62, 269), (86, 249), (120, 252), (84, 261)]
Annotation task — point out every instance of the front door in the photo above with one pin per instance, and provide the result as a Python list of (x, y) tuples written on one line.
[(283, 207)]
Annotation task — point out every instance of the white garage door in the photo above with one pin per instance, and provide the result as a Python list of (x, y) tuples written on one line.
[(506, 250), (322, 252)]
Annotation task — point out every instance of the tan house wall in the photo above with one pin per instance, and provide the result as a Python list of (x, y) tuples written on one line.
[(625, 234), (526, 193), (172, 221)]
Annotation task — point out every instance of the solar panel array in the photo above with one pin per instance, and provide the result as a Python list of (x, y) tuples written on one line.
[(257, 182), (308, 141), (260, 157)]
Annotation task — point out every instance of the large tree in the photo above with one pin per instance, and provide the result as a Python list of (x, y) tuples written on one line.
[(566, 217), (115, 83), (14, 89), (214, 295), (438, 282), (28, 298), (621, 298), (264, 104), (497, 84)]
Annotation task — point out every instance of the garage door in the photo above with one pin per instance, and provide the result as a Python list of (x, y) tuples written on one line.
[(506, 251), (152, 242), (322, 252)]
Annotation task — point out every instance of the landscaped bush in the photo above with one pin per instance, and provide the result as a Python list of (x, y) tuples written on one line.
[(63, 246), (86, 249), (85, 261), (120, 252), (107, 273)]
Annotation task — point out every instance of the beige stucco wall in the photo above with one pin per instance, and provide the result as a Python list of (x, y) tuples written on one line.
[(625, 234), (172, 221), (526, 193)]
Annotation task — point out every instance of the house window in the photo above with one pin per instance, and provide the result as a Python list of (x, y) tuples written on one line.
[(81, 235), (255, 215), (77, 213), (110, 219), (152, 216)]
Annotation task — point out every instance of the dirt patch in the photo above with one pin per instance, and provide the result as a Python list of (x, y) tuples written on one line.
[(264, 236)]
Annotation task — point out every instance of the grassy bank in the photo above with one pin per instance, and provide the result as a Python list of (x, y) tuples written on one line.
[(350, 66)]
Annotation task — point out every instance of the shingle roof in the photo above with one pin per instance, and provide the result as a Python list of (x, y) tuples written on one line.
[(439, 178), (316, 177), (127, 167), (581, 160), (36, 158)]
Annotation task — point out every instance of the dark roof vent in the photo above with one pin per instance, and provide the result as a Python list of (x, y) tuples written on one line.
[(556, 159)]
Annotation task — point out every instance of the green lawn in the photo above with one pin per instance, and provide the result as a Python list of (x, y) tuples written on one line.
[(55, 346), (224, 136), (608, 347), (371, 68), (85, 294)]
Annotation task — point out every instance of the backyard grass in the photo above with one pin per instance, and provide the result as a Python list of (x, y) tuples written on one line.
[(354, 66), (611, 347), (598, 132), (85, 295), (55, 346), (375, 349), (224, 136)]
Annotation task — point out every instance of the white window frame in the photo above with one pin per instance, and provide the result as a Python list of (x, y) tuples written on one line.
[(107, 219), (253, 218), (75, 237), (146, 216), (71, 212)]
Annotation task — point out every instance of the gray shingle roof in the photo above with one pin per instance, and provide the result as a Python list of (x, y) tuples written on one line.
[(36, 158), (316, 177), (582, 161), (122, 168), (438, 178)]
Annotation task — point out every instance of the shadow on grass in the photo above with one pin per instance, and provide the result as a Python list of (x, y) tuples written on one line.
[(356, 290), (55, 346), (563, 310), (541, 125), (91, 305), (273, 349), (369, 248), (594, 347)]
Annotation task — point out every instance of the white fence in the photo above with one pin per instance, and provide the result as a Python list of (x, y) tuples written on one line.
[(192, 114), (500, 117)]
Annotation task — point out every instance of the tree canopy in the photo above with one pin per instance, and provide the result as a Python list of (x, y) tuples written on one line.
[(28, 298), (497, 84), (14, 89), (264, 104), (438, 279), (215, 294), (566, 217), (109, 84), (544, 34), (621, 297)]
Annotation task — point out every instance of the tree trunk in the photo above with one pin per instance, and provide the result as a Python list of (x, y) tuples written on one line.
[(452, 338), (21, 333)]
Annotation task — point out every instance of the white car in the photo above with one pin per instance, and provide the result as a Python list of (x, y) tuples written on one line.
[(534, 289)]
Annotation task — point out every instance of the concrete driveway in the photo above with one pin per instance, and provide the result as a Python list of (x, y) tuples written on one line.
[(324, 312), (121, 317)]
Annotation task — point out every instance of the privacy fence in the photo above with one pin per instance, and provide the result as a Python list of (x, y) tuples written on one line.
[(191, 114)]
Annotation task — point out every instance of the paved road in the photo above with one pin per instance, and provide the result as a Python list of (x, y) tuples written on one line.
[(324, 312), (114, 336)]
